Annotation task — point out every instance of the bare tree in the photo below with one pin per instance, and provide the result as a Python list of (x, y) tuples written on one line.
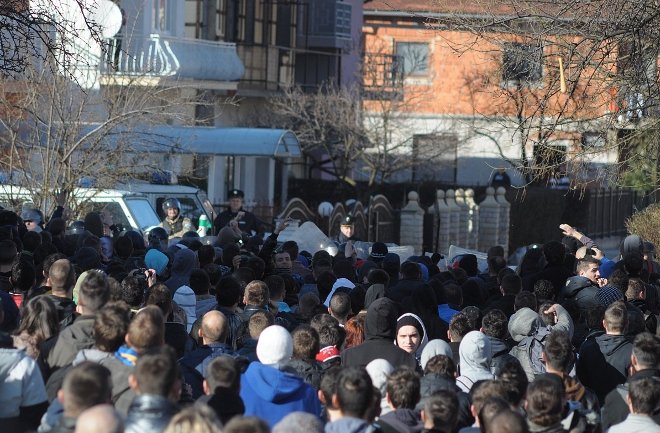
[(55, 136), (51, 33), (328, 123), (569, 69)]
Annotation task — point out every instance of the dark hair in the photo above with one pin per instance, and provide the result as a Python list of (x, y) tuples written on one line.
[(495, 324), (496, 264), (441, 365), (290, 247), (619, 279), (511, 284), (205, 255), (451, 294), (223, 371), (329, 335), (31, 240), (514, 378), (354, 391), (484, 389), (39, 319), (548, 319), (558, 351), (378, 276), (644, 395), (525, 299), (340, 304), (85, 385), (410, 270), (403, 388), (156, 371), (344, 269), (544, 400), (459, 326), (111, 326), (244, 275), (324, 282), (246, 424), (442, 409), (275, 285), (473, 314), (490, 409), (328, 386), (646, 349), (94, 291), (133, 289), (305, 342), (23, 276), (544, 291), (159, 295), (594, 316), (257, 265), (199, 282), (509, 421), (228, 291)]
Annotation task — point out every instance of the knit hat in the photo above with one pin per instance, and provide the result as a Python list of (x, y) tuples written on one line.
[(406, 320), (275, 345), (606, 268), (378, 251), (608, 295), (156, 260)]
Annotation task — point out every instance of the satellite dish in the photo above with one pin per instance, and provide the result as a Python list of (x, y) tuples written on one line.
[(107, 16)]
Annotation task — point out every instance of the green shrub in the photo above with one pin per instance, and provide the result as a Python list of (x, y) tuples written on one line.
[(646, 224)]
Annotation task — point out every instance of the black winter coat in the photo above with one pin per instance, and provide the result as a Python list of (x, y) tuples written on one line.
[(149, 414)]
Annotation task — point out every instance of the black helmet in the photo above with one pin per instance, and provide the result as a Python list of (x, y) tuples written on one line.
[(31, 214), (157, 233), (76, 228), (171, 203)]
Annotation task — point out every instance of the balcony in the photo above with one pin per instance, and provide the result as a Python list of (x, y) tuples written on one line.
[(382, 76), (325, 24), (154, 58)]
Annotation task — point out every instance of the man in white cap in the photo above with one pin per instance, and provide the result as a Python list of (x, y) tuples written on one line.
[(268, 391)]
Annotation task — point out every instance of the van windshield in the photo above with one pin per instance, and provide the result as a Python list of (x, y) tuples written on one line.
[(143, 213)]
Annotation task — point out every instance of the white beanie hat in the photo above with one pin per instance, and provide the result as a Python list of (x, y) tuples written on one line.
[(275, 345)]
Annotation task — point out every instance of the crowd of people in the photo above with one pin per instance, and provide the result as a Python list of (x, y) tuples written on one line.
[(103, 331)]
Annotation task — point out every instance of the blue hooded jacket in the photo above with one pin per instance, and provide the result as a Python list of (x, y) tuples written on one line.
[(272, 394)]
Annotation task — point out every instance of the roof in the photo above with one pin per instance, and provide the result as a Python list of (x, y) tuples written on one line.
[(514, 8), (207, 140)]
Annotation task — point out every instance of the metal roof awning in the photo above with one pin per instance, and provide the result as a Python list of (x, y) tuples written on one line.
[(204, 140)]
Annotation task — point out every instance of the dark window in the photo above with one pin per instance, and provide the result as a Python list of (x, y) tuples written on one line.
[(414, 56), (522, 63)]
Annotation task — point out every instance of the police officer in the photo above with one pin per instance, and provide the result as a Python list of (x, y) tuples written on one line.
[(174, 223), (347, 230), (247, 223)]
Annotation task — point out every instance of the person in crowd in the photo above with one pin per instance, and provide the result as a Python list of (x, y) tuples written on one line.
[(85, 385), (247, 222), (644, 363), (440, 412), (267, 389), (102, 418), (643, 400), (411, 334), (222, 385), (604, 361), (380, 333), (174, 223), (353, 398), (157, 387), (403, 394), (340, 307)]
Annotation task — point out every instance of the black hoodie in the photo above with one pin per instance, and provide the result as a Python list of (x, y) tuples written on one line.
[(379, 335)]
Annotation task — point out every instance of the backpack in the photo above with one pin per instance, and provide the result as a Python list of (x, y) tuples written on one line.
[(534, 345)]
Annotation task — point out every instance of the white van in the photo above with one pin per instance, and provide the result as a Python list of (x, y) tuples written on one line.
[(193, 200), (131, 210)]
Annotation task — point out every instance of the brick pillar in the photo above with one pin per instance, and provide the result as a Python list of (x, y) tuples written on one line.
[(463, 220), (505, 209), (489, 220), (441, 219), (412, 223), (455, 215), (473, 219)]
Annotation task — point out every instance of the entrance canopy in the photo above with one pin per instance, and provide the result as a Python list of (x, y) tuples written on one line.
[(205, 140)]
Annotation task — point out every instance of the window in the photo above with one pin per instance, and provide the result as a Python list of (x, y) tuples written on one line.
[(161, 16), (522, 63), (414, 58)]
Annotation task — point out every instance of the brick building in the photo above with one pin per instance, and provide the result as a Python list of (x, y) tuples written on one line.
[(480, 91)]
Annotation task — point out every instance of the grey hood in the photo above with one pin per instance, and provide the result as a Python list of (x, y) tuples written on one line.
[(523, 323), (9, 360), (475, 355), (433, 348)]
